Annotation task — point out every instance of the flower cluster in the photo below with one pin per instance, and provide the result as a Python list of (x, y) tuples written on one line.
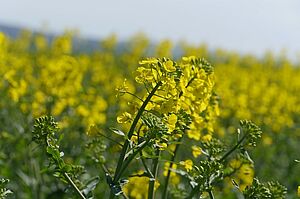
[(183, 96)]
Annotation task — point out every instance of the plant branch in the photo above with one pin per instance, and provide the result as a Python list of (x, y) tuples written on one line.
[(145, 165), (193, 192), (233, 148), (151, 192), (110, 139), (74, 185), (211, 195), (126, 92), (131, 131), (165, 190), (129, 159)]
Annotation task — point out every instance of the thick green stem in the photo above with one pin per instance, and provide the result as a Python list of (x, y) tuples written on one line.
[(74, 186), (129, 159), (151, 192), (131, 131), (211, 195), (193, 192), (145, 166), (165, 190), (119, 169), (111, 195)]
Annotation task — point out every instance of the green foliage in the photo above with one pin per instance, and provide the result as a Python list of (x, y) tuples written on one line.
[(251, 132), (157, 129), (45, 134), (258, 190), (207, 174), (3, 190), (213, 148), (96, 149)]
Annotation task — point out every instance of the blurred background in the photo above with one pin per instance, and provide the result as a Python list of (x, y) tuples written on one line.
[(245, 26), (66, 58)]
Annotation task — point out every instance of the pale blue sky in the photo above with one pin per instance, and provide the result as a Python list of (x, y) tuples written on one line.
[(244, 25)]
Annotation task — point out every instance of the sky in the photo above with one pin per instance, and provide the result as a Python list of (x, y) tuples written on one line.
[(247, 26)]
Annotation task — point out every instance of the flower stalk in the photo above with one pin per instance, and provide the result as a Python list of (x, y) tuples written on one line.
[(151, 189), (120, 168)]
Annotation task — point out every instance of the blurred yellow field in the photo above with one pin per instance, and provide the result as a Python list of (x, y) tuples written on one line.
[(165, 125)]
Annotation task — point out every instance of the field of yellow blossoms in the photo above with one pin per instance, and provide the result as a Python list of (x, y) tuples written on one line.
[(140, 113)]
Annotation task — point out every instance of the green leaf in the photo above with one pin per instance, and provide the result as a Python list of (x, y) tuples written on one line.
[(90, 185), (53, 152), (3, 190), (117, 131), (67, 168)]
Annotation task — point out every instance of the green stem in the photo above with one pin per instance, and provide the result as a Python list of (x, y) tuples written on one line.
[(111, 195), (151, 192), (165, 190), (74, 186), (134, 96), (193, 192), (145, 165), (129, 159), (233, 148), (211, 195), (112, 140), (141, 155), (131, 131)]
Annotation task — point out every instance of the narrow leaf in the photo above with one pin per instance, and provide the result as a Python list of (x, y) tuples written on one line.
[(117, 131)]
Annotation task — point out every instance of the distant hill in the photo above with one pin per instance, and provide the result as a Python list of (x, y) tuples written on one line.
[(12, 31), (79, 44)]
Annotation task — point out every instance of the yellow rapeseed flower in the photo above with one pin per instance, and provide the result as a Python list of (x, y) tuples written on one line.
[(188, 59), (144, 74), (172, 120), (188, 164), (175, 179), (124, 118), (235, 163), (169, 66), (162, 146), (148, 61), (137, 187), (246, 174), (206, 138), (58, 107), (93, 130), (196, 151), (194, 132), (82, 110)]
